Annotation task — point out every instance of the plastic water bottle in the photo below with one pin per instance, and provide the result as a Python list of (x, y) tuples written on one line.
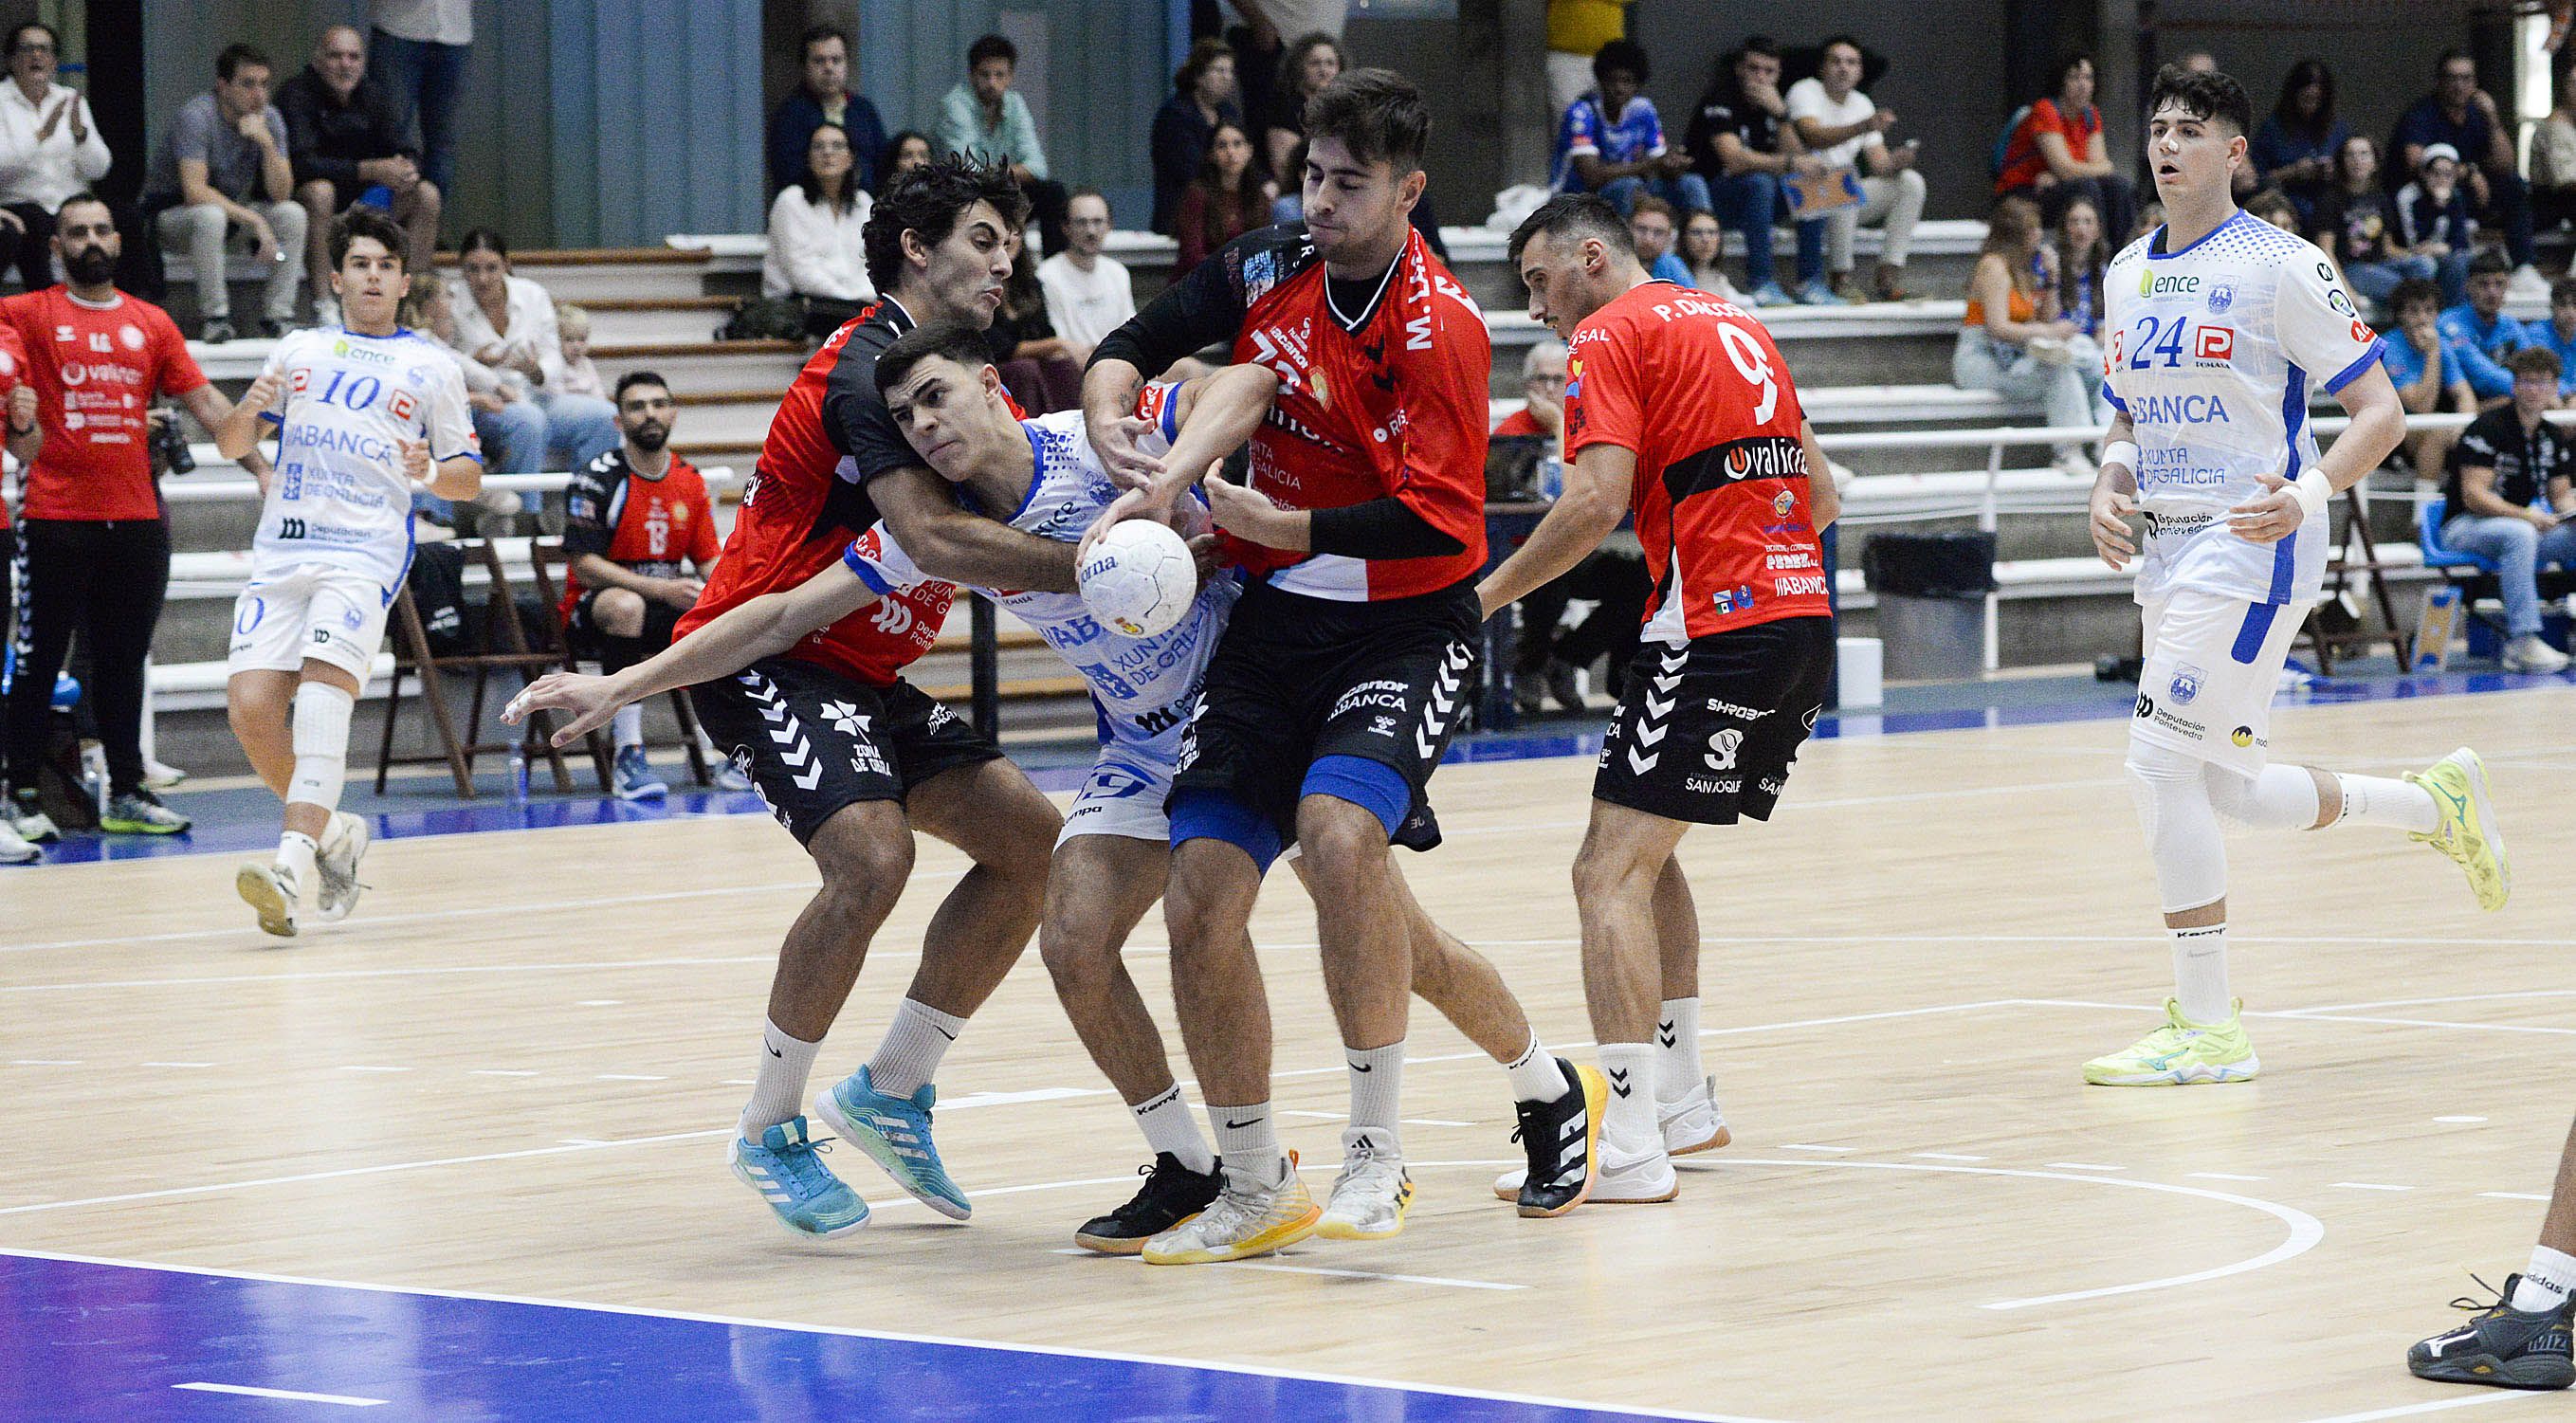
[(67, 691), (518, 773), (1551, 478), (93, 773)]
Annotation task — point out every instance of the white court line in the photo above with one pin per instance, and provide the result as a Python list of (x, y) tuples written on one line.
[(2081, 1166), (1804, 1146), (44, 1062), (361, 1067), (2312, 1017), (628, 1077), (2453, 998), (1277, 1268), (291, 1395), (2439, 1405), (2459, 1120), (1944, 1156), (178, 1064), (317, 974), (2367, 1186), (2222, 1176), (500, 1072), (2511, 1196)]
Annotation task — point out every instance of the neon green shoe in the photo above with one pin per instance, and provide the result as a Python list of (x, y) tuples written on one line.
[(2181, 1053), (2469, 833)]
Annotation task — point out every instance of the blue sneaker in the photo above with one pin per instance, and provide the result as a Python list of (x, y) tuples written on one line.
[(786, 1167), (895, 1133), (1816, 293), (1771, 294), (635, 778)]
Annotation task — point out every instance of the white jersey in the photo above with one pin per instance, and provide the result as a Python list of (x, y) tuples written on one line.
[(2210, 352), (1141, 684), (340, 498)]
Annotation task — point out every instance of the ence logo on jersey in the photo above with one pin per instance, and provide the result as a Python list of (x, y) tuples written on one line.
[(2150, 284)]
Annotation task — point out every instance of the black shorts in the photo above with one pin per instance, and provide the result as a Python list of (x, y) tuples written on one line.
[(583, 632), (1705, 732), (1296, 679), (813, 741)]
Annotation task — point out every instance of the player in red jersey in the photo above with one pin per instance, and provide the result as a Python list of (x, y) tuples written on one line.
[(1678, 408), (26, 437), (1338, 681)]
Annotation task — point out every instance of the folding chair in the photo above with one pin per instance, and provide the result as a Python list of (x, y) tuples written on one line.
[(509, 653), (542, 554)]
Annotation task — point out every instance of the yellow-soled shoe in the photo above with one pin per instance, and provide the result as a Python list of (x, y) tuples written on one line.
[(2469, 834), (1241, 1224), (2181, 1054)]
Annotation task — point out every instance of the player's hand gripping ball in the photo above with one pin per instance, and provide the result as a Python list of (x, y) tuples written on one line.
[(1138, 577)]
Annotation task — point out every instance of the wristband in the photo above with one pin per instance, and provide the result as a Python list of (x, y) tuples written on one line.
[(2312, 491), (2123, 452)]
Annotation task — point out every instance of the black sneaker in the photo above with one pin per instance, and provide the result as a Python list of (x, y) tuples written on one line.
[(217, 332), (270, 328), (1563, 1139), (2502, 1346), (1172, 1193)]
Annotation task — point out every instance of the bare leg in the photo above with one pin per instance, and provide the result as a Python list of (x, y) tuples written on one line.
[(1617, 886), (865, 854), (1453, 978), (2558, 1227), (990, 811), (260, 705), (1359, 919), (1677, 932), (1216, 978), (1097, 890)]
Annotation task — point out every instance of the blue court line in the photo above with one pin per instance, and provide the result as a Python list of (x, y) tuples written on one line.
[(107, 1341)]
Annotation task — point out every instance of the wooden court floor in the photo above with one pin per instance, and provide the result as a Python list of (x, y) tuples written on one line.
[(514, 1070)]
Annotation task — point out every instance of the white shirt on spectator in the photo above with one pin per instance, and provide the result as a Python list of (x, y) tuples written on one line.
[(427, 21), (816, 251), (1807, 100), (1086, 306), (45, 173), (1297, 18), (531, 314)]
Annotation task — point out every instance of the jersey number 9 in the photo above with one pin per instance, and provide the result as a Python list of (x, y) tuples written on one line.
[(1753, 365)]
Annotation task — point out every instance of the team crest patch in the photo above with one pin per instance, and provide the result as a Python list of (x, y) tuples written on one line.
[(1782, 503), (1260, 274), (2186, 684), (2221, 297)]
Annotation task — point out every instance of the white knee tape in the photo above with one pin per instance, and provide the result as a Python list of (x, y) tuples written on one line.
[(2173, 798), (321, 744)]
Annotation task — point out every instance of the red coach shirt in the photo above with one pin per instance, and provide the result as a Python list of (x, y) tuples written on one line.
[(1694, 386), (96, 369), (13, 374)]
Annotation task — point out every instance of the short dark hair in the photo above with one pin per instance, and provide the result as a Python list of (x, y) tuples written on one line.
[(2270, 203), (479, 239), (992, 47), (1376, 113), (2413, 290), (2205, 94), (2490, 263), (2066, 65), (83, 196), (929, 200), (954, 340), (1648, 202), (1207, 51), (816, 34), (1572, 215), (20, 33), (229, 63), (362, 220), (2449, 56), (1762, 45), (1852, 40), (632, 379), (1621, 54), (2534, 361)]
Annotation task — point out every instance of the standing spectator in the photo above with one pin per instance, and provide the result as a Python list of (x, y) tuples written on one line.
[(346, 144), (1703, 253), (2356, 222), (2016, 343), (509, 324), (1225, 201), (1088, 295), (1550, 657), (985, 119), (507, 424), (2425, 369), (2485, 335), (1650, 226), (904, 152), (1845, 128), (50, 148), (2057, 153), (1202, 98), (1741, 146), (222, 169), (1576, 31), (420, 48), (93, 548), (817, 250), (1038, 365), (1315, 60), (2434, 218), (1611, 140), (2558, 336), (2507, 499), (2553, 160), (2295, 148), (2460, 115), (825, 97), (2083, 252)]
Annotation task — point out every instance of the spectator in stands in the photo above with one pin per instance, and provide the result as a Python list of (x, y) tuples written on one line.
[(824, 97), (508, 425), (1315, 60), (1740, 144), (222, 173), (2356, 223), (2558, 335), (346, 145), (420, 48), (2553, 160), (903, 153), (2274, 206), (1576, 31), (1542, 411), (816, 225), (1088, 295), (1262, 45), (1650, 225), (987, 120), (509, 324), (2083, 254), (2057, 154), (1611, 140), (2483, 332), (2461, 116), (1844, 128), (1703, 252), (2508, 499), (50, 148), (580, 377), (2295, 148), (2433, 218), (2151, 215), (1202, 98), (1038, 366), (2016, 343), (2425, 369), (1225, 201)]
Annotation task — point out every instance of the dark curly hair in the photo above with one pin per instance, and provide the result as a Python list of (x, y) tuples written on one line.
[(929, 200), (2203, 95)]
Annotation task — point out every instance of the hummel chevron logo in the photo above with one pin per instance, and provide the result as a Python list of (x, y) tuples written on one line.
[(1667, 1030), (1648, 734), (797, 755), (1656, 710), (1619, 1081), (1642, 764), (783, 734)]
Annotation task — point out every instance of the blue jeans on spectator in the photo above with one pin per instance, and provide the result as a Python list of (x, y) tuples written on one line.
[(1689, 192), (514, 438), (2518, 550), (579, 428), (1750, 203), (424, 79), (2373, 281)]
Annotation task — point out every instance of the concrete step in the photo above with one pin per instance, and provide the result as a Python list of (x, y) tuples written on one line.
[(696, 367), (630, 320)]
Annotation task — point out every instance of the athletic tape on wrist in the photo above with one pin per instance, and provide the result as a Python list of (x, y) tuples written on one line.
[(2312, 492), (2121, 452)]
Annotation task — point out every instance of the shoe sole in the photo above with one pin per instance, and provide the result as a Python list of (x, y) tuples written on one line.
[(1331, 1229), (828, 1107), (792, 1227), (1267, 1242), (143, 827), (1675, 1189), (1596, 1100), (2191, 1077), (1722, 1137), (656, 791), (2538, 1374), (2482, 810), (261, 893)]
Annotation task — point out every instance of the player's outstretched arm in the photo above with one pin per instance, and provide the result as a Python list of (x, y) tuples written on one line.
[(1217, 414), (1594, 501), (1116, 431)]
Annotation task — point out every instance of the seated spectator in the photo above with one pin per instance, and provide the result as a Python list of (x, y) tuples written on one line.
[(2484, 334), (1314, 61), (2357, 225), (2057, 154), (2425, 368), (221, 177), (509, 324), (1742, 146), (1550, 656), (1037, 365), (1650, 226), (2016, 343), (1543, 392), (2274, 206), (985, 119), (50, 149), (511, 430), (2558, 336), (2083, 255), (1611, 141), (1845, 129), (1088, 295), (346, 143), (824, 97), (815, 223), (1703, 252), (2433, 212), (2553, 160), (2295, 148), (2509, 500), (1202, 98), (580, 377), (1225, 200), (903, 153), (2462, 117)]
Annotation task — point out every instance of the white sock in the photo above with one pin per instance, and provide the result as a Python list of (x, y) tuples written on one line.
[(1247, 1142), (778, 1092), (626, 728), (2375, 800), (1168, 1126), (295, 852), (2200, 973), (1679, 1074), (1534, 1075), (2546, 1282), (1377, 1093), (1629, 1124), (914, 1043)]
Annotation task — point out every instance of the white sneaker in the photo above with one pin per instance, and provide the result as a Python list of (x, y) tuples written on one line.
[(344, 844), (161, 775), (1647, 1179), (1691, 1125), (1369, 1198), (1241, 1223), (272, 890), (2077, 463), (2529, 654), (15, 851), (27, 821)]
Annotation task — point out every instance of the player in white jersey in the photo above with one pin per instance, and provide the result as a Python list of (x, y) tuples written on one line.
[(2216, 325), (362, 415), (1111, 861)]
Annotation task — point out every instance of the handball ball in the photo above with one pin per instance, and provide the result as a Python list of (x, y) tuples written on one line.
[(1139, 578)]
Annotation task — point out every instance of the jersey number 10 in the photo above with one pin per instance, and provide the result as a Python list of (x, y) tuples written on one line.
[(352, 393)]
